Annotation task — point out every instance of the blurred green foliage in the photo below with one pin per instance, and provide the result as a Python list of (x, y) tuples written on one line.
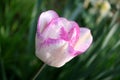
[(18, 20)]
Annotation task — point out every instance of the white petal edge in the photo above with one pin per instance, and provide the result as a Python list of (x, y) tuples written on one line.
[(84, 40), (45, 18)]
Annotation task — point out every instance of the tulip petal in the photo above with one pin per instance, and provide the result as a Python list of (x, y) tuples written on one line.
[(45, 19), (63, 29), (84, 41), (54, 54), (54, 28)]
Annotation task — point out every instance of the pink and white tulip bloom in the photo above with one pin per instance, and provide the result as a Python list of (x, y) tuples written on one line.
[(58, 40)]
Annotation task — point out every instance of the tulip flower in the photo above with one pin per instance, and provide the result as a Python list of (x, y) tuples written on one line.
[(58, 40)]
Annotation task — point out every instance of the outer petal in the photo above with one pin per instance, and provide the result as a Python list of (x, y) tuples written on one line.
[(84, 40), (53, 52), (45, 19)]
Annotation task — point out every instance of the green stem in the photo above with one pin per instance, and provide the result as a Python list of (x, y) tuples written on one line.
[(40, 70)]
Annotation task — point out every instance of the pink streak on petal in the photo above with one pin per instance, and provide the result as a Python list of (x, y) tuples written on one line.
[(50, 41), (64, 34), (84, 40), (73, 52), (74, 33), (45, 19)]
